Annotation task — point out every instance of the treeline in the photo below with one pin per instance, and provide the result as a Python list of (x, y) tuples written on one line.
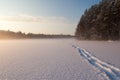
[(100, 22), (19, 35)]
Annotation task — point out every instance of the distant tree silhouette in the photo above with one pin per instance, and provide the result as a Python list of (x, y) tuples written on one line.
[(19, 35)]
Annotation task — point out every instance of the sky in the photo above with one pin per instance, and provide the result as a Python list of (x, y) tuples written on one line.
[(42, 16)]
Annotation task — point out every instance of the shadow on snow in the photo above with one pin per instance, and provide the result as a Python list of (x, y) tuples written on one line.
[(107, 71)]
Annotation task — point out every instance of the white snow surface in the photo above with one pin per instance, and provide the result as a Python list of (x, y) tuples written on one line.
[(107, 71), (56, 59)]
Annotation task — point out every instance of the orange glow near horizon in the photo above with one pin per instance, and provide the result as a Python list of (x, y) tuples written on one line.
[(45, 25)]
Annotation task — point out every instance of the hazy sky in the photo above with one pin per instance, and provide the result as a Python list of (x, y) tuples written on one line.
[(42, 16)]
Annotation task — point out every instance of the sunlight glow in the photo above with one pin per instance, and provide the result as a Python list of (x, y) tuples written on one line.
[(37, 24)]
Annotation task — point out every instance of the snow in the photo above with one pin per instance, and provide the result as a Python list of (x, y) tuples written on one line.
[(108, 71), (56, 59)]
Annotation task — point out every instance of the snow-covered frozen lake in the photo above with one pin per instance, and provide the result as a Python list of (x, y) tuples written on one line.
[(59, 59)]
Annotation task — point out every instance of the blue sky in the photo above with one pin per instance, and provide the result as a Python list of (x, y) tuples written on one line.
[(42, 16)]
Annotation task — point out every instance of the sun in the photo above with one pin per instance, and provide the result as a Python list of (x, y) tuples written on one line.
[(5, 25)]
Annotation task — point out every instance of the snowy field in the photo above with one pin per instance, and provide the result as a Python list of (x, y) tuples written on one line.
[(59, 59)]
